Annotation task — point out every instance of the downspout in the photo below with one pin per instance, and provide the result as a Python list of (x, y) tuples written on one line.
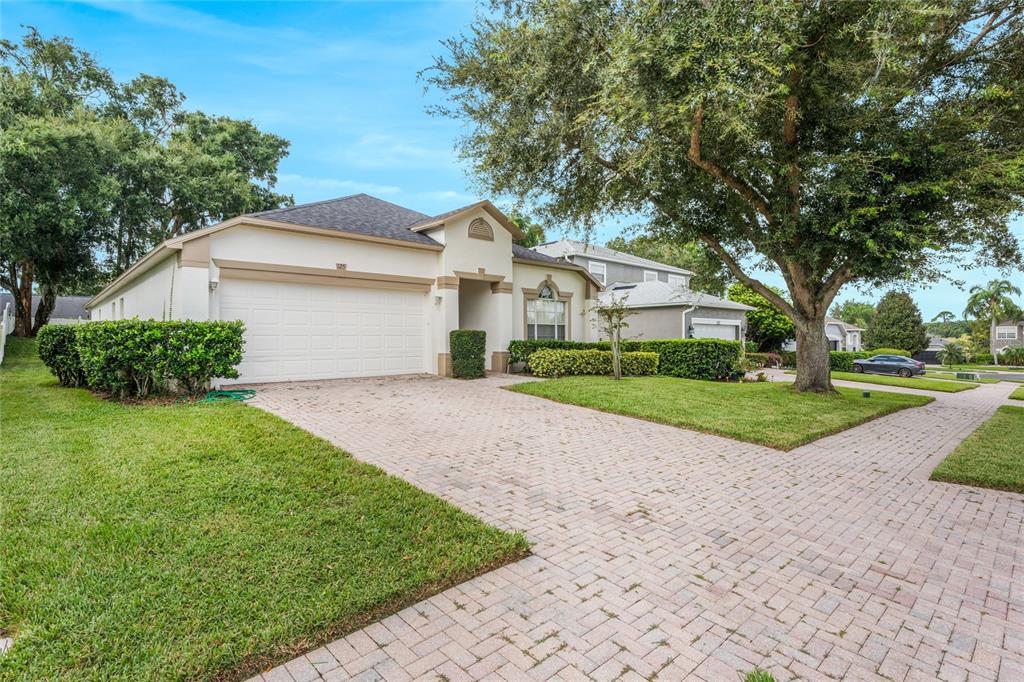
[(685, 325)]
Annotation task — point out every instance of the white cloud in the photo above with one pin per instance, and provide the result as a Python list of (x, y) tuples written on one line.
[(380, 150), (448, 195), (293, 182)]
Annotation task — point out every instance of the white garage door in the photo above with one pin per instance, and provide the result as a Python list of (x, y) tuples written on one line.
[(715, 331), (304, 331)]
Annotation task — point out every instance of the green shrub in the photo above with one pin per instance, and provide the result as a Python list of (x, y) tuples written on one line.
[(707, 359), (788, 358), (764, 359), (521, 350), (133, 358), (841, 361), (750, 346), (467, 347), (884, 351), (57, 347), (983, 359), (555, 362)]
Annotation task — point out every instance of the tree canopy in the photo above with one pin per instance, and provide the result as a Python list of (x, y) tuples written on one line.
[(533, 232), (857, 313), (709, 273), (867, 142), (95, 172), (897, 324), (766, 325)]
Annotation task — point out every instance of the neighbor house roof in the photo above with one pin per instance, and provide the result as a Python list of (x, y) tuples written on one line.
[(565, 248), (845, 325), (66, 307), (661, 294)]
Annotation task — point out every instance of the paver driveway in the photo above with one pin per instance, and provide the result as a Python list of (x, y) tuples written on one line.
[(665, 553)]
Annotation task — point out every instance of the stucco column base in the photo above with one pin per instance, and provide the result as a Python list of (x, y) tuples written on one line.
[(444, 364), (499, 361)]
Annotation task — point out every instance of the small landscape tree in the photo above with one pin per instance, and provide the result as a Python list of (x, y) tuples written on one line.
[(610, 319), (897, 324), (767, 326)]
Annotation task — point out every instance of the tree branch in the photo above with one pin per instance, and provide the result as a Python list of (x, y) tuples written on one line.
[(785, 306), (752, 196)]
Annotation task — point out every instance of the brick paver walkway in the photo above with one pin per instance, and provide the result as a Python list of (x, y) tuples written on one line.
[(664, 553)]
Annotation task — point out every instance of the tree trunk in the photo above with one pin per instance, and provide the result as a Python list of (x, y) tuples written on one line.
[(813, 367), (992, 341), (47, 301), (616, 358), (23, 302)]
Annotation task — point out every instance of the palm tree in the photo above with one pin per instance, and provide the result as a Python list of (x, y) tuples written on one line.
[(952, 354), (944, 316), (1014, 356), (991, 302)]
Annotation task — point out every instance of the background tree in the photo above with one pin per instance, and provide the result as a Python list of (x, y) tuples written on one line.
[(944, 317), (992, 303), (767, 326), (839, 142), (857, 313), (95, 172), (952, 354), (709, 273), (533, 232), (610, 319), (897, 324)]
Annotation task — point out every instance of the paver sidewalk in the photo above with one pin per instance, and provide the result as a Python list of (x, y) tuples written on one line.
[(664, 553)]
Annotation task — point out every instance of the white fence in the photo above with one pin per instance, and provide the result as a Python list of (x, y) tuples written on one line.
[(6, 327)]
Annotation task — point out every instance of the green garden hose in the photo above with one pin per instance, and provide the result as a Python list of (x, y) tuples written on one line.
[(221, 396)]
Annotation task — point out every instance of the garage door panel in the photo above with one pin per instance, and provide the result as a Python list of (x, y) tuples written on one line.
[(299, 331), (715, 331)]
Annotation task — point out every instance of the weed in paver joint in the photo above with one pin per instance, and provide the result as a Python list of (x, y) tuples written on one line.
[(700, 577), (758, 675), (632, 587)]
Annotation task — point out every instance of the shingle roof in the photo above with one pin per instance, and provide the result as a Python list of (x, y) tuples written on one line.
[(570, 247), (530, 254), (664, 294), (845, 325), (66, 307), (359, 213)]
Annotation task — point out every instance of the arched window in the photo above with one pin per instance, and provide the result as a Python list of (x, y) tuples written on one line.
[(546, 314)]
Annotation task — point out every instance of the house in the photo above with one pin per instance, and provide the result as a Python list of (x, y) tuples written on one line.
[(1008, 333), (664, 306), (665, 311), (357, 286), (841, 336), (930, 355), (608, 265), (66, 309)]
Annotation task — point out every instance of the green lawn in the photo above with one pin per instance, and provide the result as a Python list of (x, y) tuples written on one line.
[(950, 376), (771, 414), (992, 456), (1018, 394), (188, 542), (989, 368), (913, 382)]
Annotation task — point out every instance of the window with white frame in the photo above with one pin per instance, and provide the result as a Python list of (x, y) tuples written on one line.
[(650, 276), (545, 315), (677, 281), (1006, 333), (599, 271)]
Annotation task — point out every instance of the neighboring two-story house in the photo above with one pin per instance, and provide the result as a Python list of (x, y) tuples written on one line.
[(664, 305), (1009, 333)]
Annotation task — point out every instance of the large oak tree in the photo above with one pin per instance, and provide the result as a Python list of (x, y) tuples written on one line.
[(832, 142)]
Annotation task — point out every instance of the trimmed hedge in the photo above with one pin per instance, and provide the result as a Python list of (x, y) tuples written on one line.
[(468, 347), (688, 358), (521, 350), (555, 362), (134, 358), (842, 360), (57, 347), (984, 359)]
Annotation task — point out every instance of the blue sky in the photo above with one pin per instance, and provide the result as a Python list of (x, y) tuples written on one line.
[(339, 80)]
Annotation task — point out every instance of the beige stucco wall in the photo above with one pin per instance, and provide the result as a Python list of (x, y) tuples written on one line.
[(531, 276), (148, 297)]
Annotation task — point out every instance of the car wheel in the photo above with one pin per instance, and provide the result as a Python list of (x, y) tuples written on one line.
[(905, 373), (857, 369)]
